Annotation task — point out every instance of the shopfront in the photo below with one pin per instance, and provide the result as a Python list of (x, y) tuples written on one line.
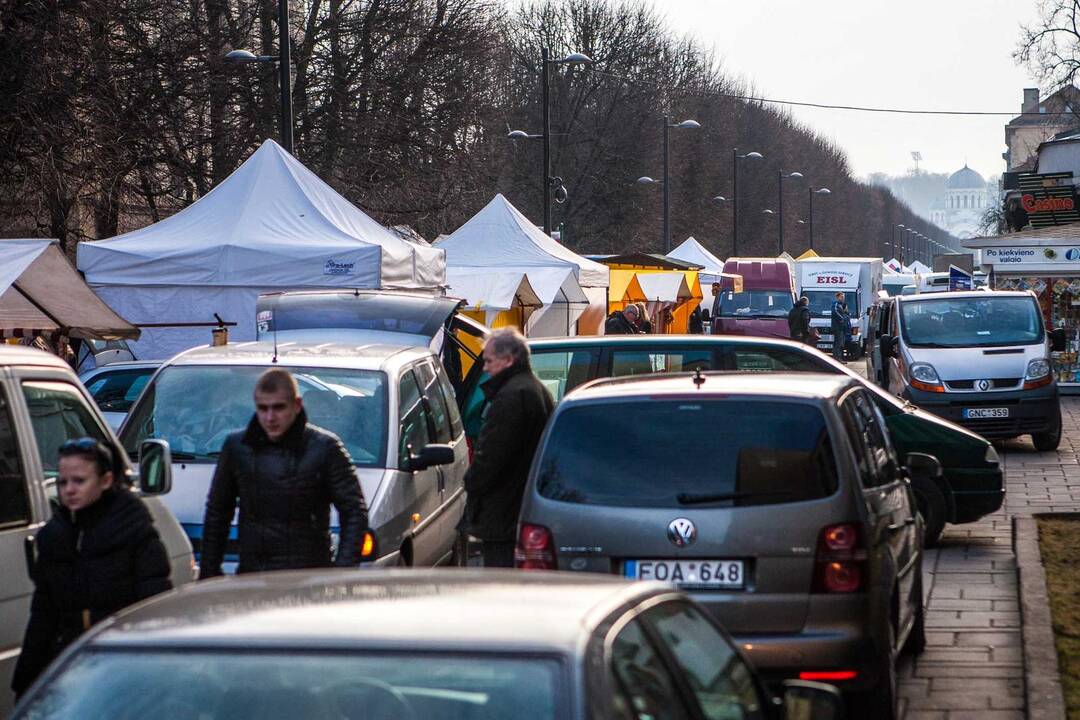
[(1047, 262)]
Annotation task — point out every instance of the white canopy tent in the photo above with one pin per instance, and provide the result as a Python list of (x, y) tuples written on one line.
[(499, 240), (493, 292), (692, 251), (893, 266), (917, 267), (271, 225)]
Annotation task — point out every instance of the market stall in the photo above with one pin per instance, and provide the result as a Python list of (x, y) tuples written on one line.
[(670, 300), (1047, 262)]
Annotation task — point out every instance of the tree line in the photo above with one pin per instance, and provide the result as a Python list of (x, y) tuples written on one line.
[(116, 113)]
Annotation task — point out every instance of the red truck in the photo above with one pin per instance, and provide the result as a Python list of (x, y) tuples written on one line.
[(761, 309)]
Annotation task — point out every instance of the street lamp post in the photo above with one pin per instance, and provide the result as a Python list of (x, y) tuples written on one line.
[(780, 177), (813, 192), (898, 241), (735, 157), (283, 59), (684, 125), (545, 134)]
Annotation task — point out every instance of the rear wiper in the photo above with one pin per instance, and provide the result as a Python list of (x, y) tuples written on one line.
[(181, 455), (703, 499)]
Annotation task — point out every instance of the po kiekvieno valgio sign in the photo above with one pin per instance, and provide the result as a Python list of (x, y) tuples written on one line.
[(1023, 255)]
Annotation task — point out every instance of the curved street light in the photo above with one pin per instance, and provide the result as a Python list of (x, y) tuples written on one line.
[(735, 158), (781, 176), (812, 192)]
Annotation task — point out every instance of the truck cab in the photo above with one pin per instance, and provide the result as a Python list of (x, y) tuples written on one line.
[(761, 308)]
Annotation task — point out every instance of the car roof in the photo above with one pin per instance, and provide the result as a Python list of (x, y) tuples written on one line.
[(657, 340), (800, 385), (977, 294), (22, 355), (297, 354), (447, 609), (126, 365)]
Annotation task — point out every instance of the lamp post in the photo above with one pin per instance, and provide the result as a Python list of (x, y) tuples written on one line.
[(283, 59), (549, 182), (898, 241), (735, 158), (812, 193), (666, 227), (780, 177), (911, 233)]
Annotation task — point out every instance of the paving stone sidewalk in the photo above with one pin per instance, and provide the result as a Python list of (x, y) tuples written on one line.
[(972, 667)]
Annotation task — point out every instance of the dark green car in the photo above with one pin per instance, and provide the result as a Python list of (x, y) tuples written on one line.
[(971, 484)]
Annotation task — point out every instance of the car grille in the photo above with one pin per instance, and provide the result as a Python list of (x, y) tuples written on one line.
[(990, 425), (995, 383)]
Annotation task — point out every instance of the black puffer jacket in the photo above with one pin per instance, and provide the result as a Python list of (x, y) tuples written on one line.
[(90, 565), (617, 324), (284, 491), (518, 407)]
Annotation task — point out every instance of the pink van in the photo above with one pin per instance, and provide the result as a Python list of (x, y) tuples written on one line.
[(761, 309)]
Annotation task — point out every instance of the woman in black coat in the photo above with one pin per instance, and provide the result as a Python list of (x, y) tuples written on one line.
[(98, 554)]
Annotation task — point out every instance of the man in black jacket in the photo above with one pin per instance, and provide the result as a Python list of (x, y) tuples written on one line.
[(284, 473), (98, 554), (798, 320), (622, 322), (516, 411)]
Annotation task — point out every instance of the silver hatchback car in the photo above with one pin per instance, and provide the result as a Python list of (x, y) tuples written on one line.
[(796, 527), (392, 406)]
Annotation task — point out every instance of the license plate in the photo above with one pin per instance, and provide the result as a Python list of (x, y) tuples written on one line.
[(980, 413), (727, 574), (827, 338)]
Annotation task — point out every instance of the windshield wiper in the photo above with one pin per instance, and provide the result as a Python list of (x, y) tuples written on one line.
[(181, 455), (705, 498)]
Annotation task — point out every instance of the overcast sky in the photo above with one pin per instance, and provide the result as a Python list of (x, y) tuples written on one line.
[(924, 54)]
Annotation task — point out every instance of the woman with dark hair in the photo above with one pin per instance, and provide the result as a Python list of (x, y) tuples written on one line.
[(98, 554)]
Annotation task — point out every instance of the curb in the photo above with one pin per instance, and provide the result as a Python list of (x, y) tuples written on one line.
[(1042, 683)]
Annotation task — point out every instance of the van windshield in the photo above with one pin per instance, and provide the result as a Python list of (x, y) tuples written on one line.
[(821, 302), (732, 453), (754, 304), (971, 322), (195, 408)]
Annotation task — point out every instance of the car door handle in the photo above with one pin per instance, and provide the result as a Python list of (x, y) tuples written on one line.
[(901, 526)]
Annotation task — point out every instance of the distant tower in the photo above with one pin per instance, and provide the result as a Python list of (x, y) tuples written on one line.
[(917, 157)]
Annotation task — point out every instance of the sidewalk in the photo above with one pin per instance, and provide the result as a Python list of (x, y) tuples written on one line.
[(972, 667)]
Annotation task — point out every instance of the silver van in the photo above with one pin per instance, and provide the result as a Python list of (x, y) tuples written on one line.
[(796, 526), (978, 358), (393, 408), (42, 405)]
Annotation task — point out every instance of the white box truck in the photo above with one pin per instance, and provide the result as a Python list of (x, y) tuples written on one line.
[(859, 278)]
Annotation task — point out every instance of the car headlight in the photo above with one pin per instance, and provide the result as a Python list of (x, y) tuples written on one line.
[(991, 455), (924, 372), (1037, 369)]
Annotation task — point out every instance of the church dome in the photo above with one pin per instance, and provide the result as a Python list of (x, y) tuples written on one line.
[(965, 179)]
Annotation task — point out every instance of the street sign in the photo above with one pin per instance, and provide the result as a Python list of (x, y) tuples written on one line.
[(959, 279)]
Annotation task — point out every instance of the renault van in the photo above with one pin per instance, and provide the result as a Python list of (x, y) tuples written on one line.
[(978, 358)]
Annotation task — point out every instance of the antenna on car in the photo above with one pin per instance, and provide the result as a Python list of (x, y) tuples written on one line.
[(273, 319), (699, 379)]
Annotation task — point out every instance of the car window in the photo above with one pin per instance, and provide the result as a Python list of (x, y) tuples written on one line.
[(126, 684), (644, 362), (563, 370), (447, 388), (644, 688), (14, 496), (721, 682), (196, 407), (414, 433), (859, 436), (440, 416), (773, 359), (58, 413), (117, 391), (882, 456), (620, 453)]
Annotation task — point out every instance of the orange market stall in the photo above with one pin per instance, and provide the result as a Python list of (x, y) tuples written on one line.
[(670, 301)]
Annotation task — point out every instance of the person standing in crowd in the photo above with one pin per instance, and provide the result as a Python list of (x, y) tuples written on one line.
[(644, 322), (798, 320), (622, 322), (841, 326), (696, 325), (517, 407), (98, 554), (285, 474)]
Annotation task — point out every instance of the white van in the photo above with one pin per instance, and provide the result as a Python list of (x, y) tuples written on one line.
[(979, 358), (42, 405), (820, 278)]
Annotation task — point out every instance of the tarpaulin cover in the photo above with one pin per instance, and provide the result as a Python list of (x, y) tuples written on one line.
[(40, 292), (271, 225)]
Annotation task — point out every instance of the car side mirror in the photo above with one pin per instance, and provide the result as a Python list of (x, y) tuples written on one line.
[(888, 346), (155, 467), (921, 466), (1057, 340), (430, 456), (804, 699)]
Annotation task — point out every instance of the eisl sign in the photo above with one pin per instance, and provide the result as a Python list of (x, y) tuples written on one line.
[(830, 278), (1021, 255)]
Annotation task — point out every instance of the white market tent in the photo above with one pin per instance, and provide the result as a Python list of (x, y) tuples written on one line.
[(271, 225), (41, 294), (693, 252), (499, 240), (493, 292), (894, 266), (917, 267)]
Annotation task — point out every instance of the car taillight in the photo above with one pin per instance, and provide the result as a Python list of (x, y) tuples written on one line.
[(828, 675), (535, 548), (839, 566)]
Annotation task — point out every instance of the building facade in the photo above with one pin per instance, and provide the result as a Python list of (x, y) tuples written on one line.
[(960, 209), (1039, 121)]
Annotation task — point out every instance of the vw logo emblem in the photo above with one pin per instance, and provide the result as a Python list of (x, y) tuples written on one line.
[(983, 385), (681, 532)]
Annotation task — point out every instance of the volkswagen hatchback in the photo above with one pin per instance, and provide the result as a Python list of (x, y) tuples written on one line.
[(798, 530)]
